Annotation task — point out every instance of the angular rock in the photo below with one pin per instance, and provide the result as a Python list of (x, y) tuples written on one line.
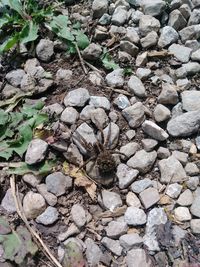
[(174, 190), (116, 229), (121, 101), (194, 209), (134, 114), (112, 245), (181, 52), (137, 258), (191, 100), (100, 102), (132, 35), (195, 226), (8, 202), (180, 156), (148, 24), (154, 130), (168, 36), (99, 118), (126, 175), (111, 200), (177, 20), (113, 135), (77, 98), (149, 144), (189, 33), (136, 86), (141, 185), (161, 113), (149, 40), (27, 83), (134, 216), (92, 52), (186, 198), (191, 169), (93, 252), (36, 151), (50, 198), (168, 94), (196, 55), (15, 77), (53, 109), (78, 215), (132, 200), (182, 214), (154, 8), (149, 197), (129, 48), (99, 8), (69, 116), (119, 16), (58, 183), (48, 217), (33, 205), (163, 153), (129, 241), (115, 78), (129, 149)]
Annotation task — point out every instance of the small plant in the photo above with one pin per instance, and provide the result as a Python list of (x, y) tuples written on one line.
[(108, 61)]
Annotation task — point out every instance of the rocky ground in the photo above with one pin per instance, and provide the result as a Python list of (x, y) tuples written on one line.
[(137, 208)]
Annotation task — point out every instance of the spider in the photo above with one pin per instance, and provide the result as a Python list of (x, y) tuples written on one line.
[(99, 152)]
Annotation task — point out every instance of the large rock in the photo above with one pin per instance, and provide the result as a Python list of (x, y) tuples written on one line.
[(168, 36), (191, 100), (184, 125)]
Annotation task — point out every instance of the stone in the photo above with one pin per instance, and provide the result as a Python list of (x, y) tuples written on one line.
[(161, 113), (163, 152), (180, 156), (174, 190), (171, 170), (77, 98), (130, 134), (96, 78), (156, 217), (119, 16), (168, 36), (58, 183), (92, 52), (149, 144), (36, 151), (168, 94), (196, 55), (15, 77), (182, 214), (177, 20), (99, 8), (113, 135), (178, 234), (137, 258), (129, 241), (132, 35), (78, 215), (69, 116), (48, 217), (148, 24), (53, 109), (125, 175), (100, 102), (191, 169), (45, 50), (154, 8), (193, 44), (141, 60), (186, 198), (111, 200), (73, 155), (195, 226), (142, 161), (188, 69), (115, 78), (8, 202), (184, 125), (105, 19), (132, 200), (9, 91), (50, 198), (194, 17), (134, 114), (112, 245), (149, 197), (185, 11), (31, 179), (143, 73), (135, 86), (63, 75), (124, 56), (116, 229), (141, 185), (149, 40), (121, 101), (191, 100), (134, 216), (86, 112), (71, 230), (33, 205), (183, 84), (153, 130), (32, 67), (27, 83), (192, 182), (129, 149), (99, 118), (181, 52), (189, 33), (93, 252), (129, 48), (194, 209)]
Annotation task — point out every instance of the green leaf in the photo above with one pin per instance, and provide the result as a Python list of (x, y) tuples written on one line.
[(82, 40), (5, 151), (9, 43), (66, 34), (59, 25), (3, 21), (14, 4), (108, 62), (73, 256), (29, 33), (40, 119), (4, 117)]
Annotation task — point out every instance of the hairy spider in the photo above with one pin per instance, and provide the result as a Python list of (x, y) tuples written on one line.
[(99, 152)]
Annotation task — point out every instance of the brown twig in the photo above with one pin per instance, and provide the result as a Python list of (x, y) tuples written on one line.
[(93, 67), (81, 59)]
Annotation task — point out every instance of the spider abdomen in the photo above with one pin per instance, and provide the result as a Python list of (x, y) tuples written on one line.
[(106, 162)]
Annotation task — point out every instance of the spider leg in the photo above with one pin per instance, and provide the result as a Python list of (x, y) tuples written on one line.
[(118, 153), (81, 140), (106, 143), (86, 162)]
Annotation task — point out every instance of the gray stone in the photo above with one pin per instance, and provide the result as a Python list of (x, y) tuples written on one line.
[(73, 155), (163, 152), (93, 252), (124, 57), (188, 69), (149, 197), (136, 86), (132, 200), (129, 48), (174, 190), (196, 55), (113, 115), (10, 91), (119, 16), (112, 245), (15, 77), (130, 134), (168, 94), (180, 156), (63, 75), (45, 50), (141, 185), (184, 125), (48, 217), (149, 144), (183, 84), (36, 151), (8, 202), (116, 229), (69, 116), (197, 141), (156, 217), (142, 161), (137, 258), (99, 118), (134, 216), (191, 169), (161, 113), (148, 24), (132, 35), (100, 102), (121, 101), (182, 214), (181, 52), (149, 40), (177, 20), (115, 78), (92, 52), (113, 135), (33, 205), (192, 182), (111, 200), (134, 114), (71, 230), (126, 175), (86, 112), (129, 149), (105, 19), (194, 18), (178, 234), (154, 130), (171, 170), (143, 73), (99, 8), (189, 33), (185, 11), (53, 109), (77, 98), (96, 78), (57, 183), (186, 198), (44, 85), (50, 198), (193, 44), (129, 241), (27, 83), (191, 100), (168, 36), (78, 215), (141, 60), (32, 179), (154, 8), (195, 226), (136, 15)]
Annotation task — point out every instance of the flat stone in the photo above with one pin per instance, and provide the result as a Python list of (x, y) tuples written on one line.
[(148, 24), (186, 198), (116, 229), (182, 214), (48, 217), (137, 258), (129, 149), (125, 175), (36, 151), (136, 86), (78, 215), (134, 216), (149, 197), (181, 52), (134, 114), (77, 98), (93, 252), (141, 185), (168, 94), (171, 170), (100, 102), (129, 241), (132, 200), (50, 198), (174, 190), (153, 130), (58, 183), (69, 116), (191, 100), (111, 200), (195, 226), (168, 36), (33, 205)]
